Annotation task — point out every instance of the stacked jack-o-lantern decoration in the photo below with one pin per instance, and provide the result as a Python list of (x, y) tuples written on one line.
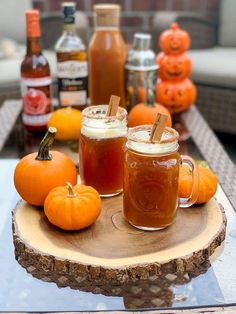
[(174, 89)]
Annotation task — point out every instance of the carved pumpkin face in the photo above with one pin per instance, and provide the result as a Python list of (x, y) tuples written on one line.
[(174, 40), (176, 97), (175, 67)]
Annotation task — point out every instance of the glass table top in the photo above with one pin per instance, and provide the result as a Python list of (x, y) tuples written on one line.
[(20, 291)]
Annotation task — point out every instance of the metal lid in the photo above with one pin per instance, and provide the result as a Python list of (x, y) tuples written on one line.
[(69, 9), (142, 41)]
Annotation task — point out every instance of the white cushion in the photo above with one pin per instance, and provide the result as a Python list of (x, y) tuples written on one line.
[(227, 23), (12, 19), (10, 68), (215, 66)]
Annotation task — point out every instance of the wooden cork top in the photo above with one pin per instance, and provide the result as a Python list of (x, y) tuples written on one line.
[(107, 15)]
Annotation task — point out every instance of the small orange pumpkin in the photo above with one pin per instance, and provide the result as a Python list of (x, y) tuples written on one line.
[(144, 113), (68, 123), (207, 183), (37, 173), (175, 67), (72, 207), (174, 40), (176, 96)]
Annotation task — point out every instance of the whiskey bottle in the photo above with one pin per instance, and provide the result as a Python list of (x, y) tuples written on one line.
[(35, 79), (72, 66)]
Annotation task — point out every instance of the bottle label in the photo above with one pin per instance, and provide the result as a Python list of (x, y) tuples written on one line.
[(72, 82), (72, 69), (36, 95)]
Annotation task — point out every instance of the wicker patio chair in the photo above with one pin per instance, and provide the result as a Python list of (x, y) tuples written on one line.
[(213, 52)]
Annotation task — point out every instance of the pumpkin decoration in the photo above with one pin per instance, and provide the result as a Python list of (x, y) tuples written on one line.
[(176, 96), (38, 173), (68, 123), (207, 183), (175, 90), (72, 207), (145, 113), (174, 67), (174, 40)]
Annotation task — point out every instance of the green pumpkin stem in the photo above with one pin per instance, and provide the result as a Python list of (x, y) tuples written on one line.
[(44, 146), (71, 190), (150, 98)]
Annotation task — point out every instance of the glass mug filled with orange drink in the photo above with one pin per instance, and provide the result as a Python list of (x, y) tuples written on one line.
[(151, 173), (101, 149)]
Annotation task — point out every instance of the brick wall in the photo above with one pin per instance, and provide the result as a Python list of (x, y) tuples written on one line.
[(137, 14)]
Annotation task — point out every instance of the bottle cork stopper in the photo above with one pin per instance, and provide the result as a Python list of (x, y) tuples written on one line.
[(158, 127), (113, 106), (32, 23), (107, 14)]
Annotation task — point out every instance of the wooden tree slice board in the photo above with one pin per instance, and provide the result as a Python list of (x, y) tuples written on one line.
[(113, 251)]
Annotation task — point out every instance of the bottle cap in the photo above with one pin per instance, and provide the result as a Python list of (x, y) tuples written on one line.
[(32, 23), (69, 9), (107, 14), (142, 41)]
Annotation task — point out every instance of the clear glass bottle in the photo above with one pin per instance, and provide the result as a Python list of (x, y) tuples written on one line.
[(107, 55), (72, 65), (35, 79), (101, 149)]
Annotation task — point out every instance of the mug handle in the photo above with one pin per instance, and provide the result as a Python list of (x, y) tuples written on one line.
[(187, 202)]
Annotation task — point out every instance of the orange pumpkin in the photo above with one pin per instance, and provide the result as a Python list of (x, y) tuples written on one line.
[(37, 173), (174, 67), (159, 57), (174, 40), (68, 123), (176, 96), (72, 207), (146, 114), (207, 183)]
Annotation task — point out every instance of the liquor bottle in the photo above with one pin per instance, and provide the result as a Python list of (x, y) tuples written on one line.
[(141, 71), (72, 65), (35, 79), (107, 55)]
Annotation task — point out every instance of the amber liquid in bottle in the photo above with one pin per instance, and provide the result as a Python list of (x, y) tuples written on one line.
[(35, 79), (72, 66), (107, 56)]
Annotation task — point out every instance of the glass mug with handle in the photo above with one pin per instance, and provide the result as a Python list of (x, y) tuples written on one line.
[(151, 174)]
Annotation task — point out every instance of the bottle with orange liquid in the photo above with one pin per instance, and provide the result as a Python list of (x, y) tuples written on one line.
[(72, 65), (107, 56), (35, 79)]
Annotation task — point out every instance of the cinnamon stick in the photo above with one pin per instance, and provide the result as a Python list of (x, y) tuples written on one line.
[(113, 106), (158, 127)]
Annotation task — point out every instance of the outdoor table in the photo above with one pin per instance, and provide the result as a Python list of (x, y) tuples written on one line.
[(214, 288)]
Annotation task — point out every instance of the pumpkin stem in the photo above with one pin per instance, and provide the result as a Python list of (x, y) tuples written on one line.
[(71, 190), (150, 97), (44, 146)]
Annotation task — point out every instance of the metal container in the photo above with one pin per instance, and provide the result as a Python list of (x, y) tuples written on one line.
[(141, 71)]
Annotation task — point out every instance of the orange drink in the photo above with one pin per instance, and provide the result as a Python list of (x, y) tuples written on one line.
[(151, 173), (101, 151)]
